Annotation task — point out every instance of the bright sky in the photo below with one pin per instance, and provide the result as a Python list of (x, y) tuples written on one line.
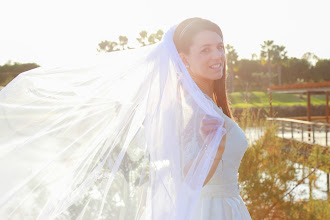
[(54, 32)]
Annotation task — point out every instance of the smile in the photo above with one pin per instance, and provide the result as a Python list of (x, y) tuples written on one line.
[(216, 66)]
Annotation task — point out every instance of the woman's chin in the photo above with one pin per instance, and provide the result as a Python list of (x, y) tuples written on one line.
[(218, 75)]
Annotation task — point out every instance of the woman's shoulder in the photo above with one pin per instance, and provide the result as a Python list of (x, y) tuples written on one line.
[(228, 121), (217, 108)]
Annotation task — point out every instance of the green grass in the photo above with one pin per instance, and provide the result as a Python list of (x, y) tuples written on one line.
[(261, 99)]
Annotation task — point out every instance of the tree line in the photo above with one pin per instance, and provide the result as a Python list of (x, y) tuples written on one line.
[(10, 70), (271, 66)]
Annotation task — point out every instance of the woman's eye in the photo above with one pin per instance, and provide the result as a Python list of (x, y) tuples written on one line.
[(205, 50), (221, 47)]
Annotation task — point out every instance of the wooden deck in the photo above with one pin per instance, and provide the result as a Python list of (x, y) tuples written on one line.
[(305, 131)]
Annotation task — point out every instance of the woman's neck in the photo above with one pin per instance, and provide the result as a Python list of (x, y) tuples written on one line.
[(205, 85)]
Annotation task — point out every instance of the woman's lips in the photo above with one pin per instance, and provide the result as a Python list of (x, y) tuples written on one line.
[(216, 66)]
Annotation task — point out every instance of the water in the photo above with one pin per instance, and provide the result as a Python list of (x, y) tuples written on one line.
[(301, 192)]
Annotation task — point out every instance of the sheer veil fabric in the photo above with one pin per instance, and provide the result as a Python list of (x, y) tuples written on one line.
[(116, 138)]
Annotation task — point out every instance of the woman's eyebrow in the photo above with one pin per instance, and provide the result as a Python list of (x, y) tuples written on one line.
[(211, 45)]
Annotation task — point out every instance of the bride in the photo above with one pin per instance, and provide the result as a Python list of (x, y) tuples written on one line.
[(137, 134)]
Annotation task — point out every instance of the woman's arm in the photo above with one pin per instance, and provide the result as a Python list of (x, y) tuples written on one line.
[(217, 160), (215, 164)]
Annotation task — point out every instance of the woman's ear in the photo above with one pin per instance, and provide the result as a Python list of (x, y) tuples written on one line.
[(184, 58)]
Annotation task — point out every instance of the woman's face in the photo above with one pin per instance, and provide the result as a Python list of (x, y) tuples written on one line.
[(206, 58)]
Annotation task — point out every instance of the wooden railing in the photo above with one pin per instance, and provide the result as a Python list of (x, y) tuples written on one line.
[(307, 131), (313, 118)]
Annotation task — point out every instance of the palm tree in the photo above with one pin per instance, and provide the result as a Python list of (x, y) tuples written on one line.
[(311, 58), (266, 56), (159, 34), (123, 40), (143, 37), (254, 56), (279, 59), (155, 37), (107, 46), (231, 60)]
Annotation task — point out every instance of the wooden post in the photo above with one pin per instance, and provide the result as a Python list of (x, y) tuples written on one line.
[(270, 104), (326, 135), (313, 133), (302, 132), (310, 184), (327, 106), (328, 185), (308, 106), (309, 113)]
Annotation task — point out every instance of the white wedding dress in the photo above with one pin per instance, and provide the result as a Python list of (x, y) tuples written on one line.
[(103, 140), (219, 198)]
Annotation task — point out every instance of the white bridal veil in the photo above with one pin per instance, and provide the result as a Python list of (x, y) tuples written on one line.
[(117, 138)]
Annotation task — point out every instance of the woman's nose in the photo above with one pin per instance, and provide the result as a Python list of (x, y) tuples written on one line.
[(218, 54)]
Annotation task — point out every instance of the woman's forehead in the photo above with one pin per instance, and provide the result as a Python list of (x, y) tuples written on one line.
[(205, 38)]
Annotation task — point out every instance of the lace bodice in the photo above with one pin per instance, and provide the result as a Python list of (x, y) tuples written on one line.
[(235, 147)]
